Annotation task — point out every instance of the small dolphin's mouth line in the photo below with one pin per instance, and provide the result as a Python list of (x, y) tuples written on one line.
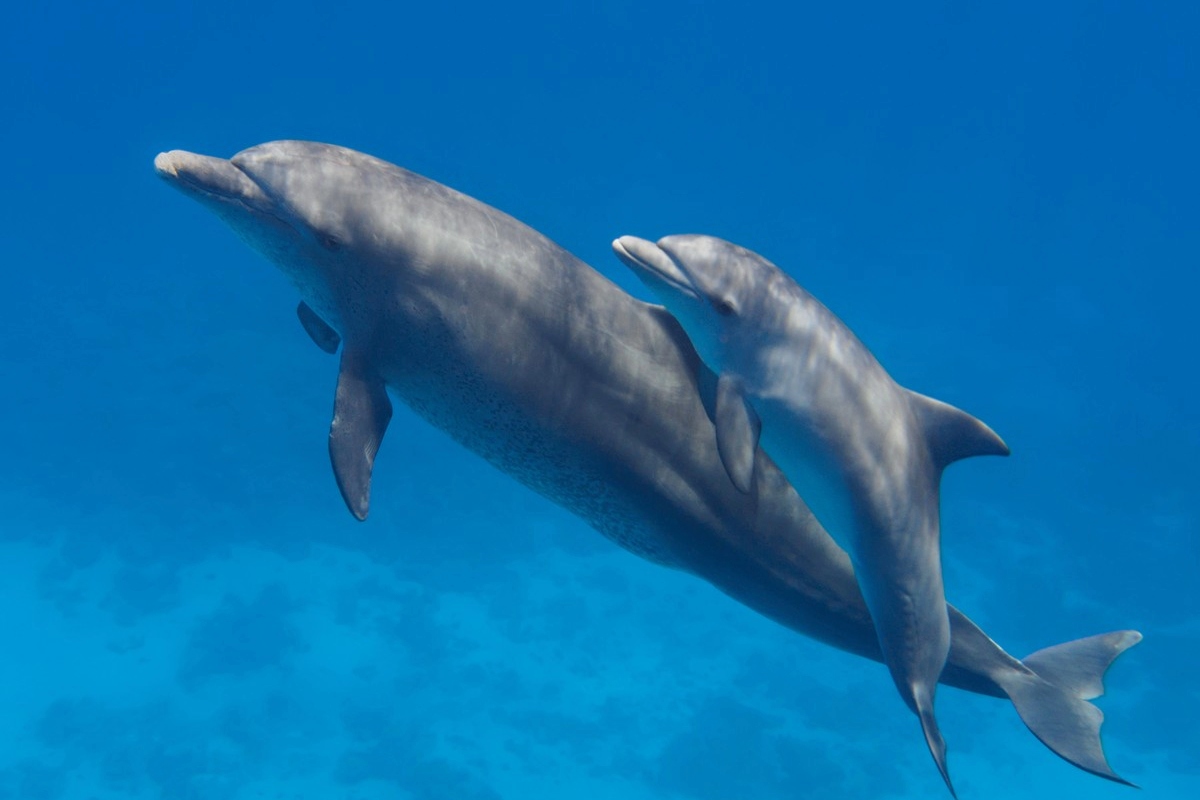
[(666, 273)]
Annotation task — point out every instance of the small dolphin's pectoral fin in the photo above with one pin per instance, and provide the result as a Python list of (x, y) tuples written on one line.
[(318, 330), (738, 428), (953, 434), (361, 412)]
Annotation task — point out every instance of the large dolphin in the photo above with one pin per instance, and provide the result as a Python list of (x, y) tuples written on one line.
[(583, 393), (865, 453)]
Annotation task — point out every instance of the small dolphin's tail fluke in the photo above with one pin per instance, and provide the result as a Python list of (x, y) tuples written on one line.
[(1052, 698), (923, 699)]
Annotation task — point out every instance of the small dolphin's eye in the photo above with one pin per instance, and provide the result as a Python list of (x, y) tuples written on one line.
[(329, 241), (723, 307)]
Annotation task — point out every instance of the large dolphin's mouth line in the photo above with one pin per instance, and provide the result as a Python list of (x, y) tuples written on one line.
[(214, 179), (653, 265)]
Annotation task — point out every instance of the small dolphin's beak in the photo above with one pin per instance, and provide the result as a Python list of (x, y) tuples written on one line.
[(209, 178), (650, 263)]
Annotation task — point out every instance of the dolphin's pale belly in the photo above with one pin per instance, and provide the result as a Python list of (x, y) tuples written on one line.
[(554, 469), (816, 474)]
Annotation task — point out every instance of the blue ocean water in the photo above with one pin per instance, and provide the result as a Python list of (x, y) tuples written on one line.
[(1000, 200)]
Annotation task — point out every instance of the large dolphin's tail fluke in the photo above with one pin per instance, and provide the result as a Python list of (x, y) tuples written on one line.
[(1053, 700), (923, 701)]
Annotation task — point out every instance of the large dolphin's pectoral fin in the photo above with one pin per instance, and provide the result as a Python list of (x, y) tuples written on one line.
[(952, 433), (361, 412), (318, 330), (738, 428)]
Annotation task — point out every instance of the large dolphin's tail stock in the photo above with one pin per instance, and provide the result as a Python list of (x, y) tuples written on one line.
[(1052, 697)]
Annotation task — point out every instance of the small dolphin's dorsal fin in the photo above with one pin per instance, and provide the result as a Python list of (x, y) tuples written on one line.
[(738, 429), (361, 412), (318, 330), (953, 434)]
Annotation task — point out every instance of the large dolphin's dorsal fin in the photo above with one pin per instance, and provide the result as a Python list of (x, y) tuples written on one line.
[(953, 434), (738, 429), (318, 330), (361, 412)]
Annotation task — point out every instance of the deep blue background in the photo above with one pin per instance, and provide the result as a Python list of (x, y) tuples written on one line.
[(1000, 201)]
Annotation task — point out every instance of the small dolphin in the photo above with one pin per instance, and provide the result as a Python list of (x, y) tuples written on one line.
[(865, 454), (590, 397)]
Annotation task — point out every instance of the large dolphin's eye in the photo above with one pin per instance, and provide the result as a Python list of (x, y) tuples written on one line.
[(329, 241), (723, 307)]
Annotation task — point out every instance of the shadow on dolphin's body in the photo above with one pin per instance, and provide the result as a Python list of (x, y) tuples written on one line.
[(588, 396)]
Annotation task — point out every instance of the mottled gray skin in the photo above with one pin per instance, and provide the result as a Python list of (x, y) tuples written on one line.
[(536, 362)]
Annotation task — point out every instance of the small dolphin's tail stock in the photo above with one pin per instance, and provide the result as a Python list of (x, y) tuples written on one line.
[(923, 705), (1052, 697)]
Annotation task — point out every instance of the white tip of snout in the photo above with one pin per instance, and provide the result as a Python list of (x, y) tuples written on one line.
[(640, 250), (651, 263)]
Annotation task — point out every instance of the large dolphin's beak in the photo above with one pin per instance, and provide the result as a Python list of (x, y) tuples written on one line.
[(651, 263), (214, 180)]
